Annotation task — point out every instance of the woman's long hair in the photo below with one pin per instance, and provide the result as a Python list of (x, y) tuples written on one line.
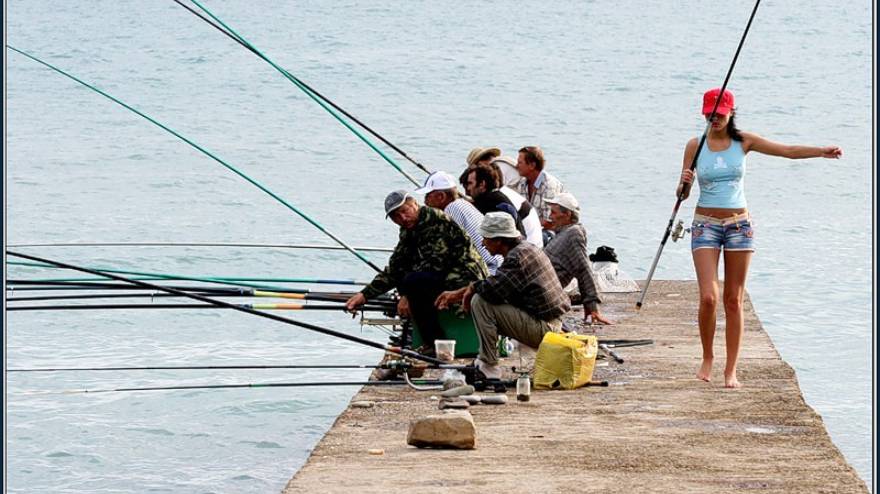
[(732, 131)]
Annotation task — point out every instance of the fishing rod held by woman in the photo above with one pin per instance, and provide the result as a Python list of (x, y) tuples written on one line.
[(722, 221)]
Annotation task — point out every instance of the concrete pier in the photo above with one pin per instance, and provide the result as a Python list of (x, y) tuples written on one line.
[(655, 429)]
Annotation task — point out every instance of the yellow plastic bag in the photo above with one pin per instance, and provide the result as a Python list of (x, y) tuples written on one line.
[(565, 361)]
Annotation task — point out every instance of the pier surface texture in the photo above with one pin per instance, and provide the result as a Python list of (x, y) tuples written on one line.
[(656, 428)]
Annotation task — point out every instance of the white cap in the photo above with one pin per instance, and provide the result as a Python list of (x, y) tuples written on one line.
[(438, 181), (565, 200)]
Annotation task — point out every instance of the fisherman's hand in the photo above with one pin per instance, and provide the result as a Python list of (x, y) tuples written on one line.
[(403, 307), (352, 304), (596, 318), (466, 298), (832, 152), (447, 298)]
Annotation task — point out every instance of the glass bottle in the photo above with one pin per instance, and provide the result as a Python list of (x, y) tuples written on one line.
[(523, 387)]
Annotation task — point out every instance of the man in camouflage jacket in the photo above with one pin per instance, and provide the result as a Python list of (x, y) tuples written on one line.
[(433, 254)]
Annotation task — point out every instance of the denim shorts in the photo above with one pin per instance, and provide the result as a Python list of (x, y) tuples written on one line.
[(733, 233)]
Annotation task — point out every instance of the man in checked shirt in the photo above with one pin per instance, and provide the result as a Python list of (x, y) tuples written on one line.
[(523, 300), (568, 253)]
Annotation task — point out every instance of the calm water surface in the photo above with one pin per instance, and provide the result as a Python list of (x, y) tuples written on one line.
[(610, 90)]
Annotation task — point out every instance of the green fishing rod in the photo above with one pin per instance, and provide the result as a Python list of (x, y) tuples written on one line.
[(341, 297), (220, 303), (206, 152), (202, 244), (311, 92)]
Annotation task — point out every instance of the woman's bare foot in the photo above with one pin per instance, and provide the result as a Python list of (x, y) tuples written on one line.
[(705, 372), (730, 380)]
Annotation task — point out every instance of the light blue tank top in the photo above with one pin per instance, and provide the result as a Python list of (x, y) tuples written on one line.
[(721, 177)]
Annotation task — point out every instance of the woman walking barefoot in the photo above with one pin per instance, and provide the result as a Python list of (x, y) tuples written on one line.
[(722, 221)]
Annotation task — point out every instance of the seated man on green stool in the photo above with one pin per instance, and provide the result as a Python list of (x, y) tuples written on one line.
[(523, 300), (433, 254)]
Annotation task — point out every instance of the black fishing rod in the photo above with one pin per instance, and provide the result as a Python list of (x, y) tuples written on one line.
[(241, 41), (220, 303), (686, 187), (202, 244), (247, 385), (340, 307), (194, 367)]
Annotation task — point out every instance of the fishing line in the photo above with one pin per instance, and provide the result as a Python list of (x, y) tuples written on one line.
[(219, 303), (207, 153), (311, 92), (686, 188)]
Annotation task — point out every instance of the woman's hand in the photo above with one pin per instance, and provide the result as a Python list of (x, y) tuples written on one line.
[(832, 152), (687, 176)]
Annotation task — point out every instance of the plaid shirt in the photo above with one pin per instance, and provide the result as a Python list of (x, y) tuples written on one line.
[(526, 280), (568, 254), (546, 187)]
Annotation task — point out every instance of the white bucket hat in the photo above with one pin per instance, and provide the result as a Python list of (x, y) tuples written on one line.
[(497, 224)]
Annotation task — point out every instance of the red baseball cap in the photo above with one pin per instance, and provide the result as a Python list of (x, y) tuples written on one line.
[(724, 106)]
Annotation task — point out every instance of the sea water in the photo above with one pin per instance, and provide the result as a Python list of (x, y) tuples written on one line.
[(610, 90)]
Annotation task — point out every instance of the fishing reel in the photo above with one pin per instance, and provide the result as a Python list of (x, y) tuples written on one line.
[(679, 231)]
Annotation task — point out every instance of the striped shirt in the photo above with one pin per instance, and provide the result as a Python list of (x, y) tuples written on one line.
[(527, 281), (469, 219)]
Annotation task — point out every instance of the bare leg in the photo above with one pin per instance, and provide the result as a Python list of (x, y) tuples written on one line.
[(706, 266), (736, 268)]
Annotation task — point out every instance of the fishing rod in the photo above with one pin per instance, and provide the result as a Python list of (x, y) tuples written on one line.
[(219, 303), (194, 367), (227, 280), (340, 307), (202, 244), (304, 296), (207, 153), (686, 187), (309, 91), (247, 385)]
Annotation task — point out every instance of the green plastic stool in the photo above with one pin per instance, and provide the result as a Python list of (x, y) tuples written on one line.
[(458, 328)]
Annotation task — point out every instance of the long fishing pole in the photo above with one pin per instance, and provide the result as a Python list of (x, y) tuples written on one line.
[(228, 280), (220, 303), (310, 91), (340, 307), (686, 188), (89, 296), (202, 244), (236, 386), (193, 367), (207, 153)]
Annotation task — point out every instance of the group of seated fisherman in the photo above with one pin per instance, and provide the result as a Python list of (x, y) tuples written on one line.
[(504, 252)]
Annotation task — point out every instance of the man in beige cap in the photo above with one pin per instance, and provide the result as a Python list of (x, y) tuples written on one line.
[(568, 253), (523, 300), (433, 254), (478, 156)]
